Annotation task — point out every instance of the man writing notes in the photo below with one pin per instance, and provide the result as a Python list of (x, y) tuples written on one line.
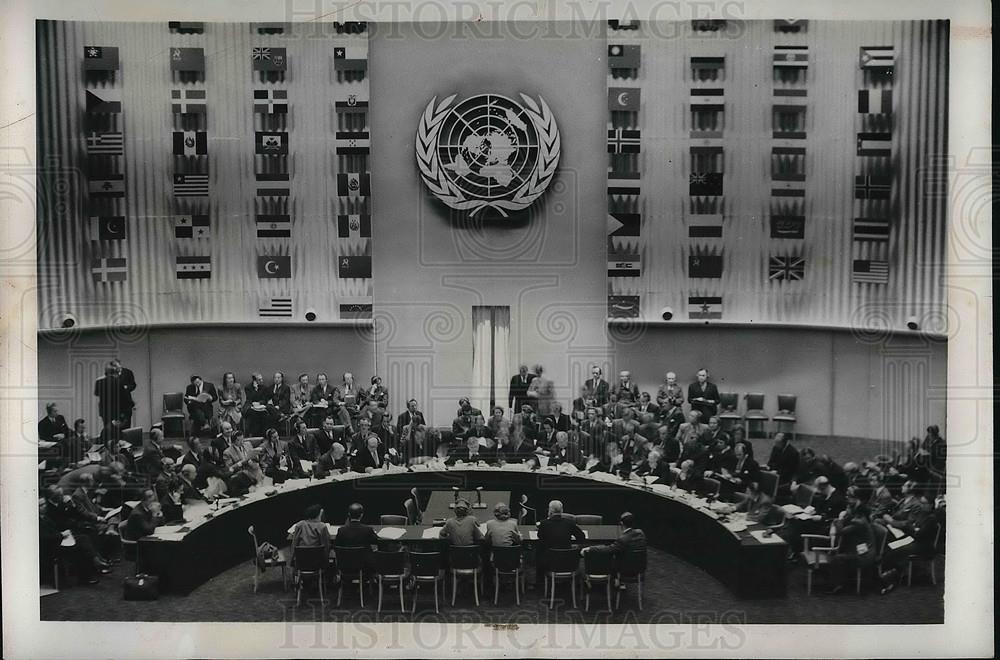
[(703, 395), (200, 397)]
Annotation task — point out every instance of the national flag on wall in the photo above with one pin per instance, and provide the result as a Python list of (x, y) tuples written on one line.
[(192, 226), (625, 99), (623, 25), (270, 143), (108, 228), (623, 141), (709, 226), (705, 184), (705, 307), (877, 57), (274, 226), (193, 268), (872, 187), (187, 59), (105, 144), (791, 96), (100, 58), (352, 104), (355, 310), (352, 143), (875, 101), (707, 98), (788, 185), (358, 266), (788, 226), (786, 268), (622, 56), (791, 57), (788, 26), (188, 101), (271, 190), (705, 265), (274, 266), (353, 184), (623, 183), (270, 101), (265, 58), (270, 28), (624, 224), (871, 229), (190, 143), (109, 269), (707, 63), (874, 144), (186, 26), (623, 307), (867, 271), (354, 226), (622, 263), (190, 185), (350, 58), (275, 308), (110, 186), (103, 101)]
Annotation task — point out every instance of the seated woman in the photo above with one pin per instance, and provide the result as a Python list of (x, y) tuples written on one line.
[(255, 405), (656, 468), (301, 397), (498, 424), (231, 400)]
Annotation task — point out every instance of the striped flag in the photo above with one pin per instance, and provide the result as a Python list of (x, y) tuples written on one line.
[(192, 226), (794, 57), (877, 57), (872, 187), (874, 144), (705, 307), (190, 185), (871, 229), (790, 25), (109, 269), (105, 144), (186, 27), (623, 263), (786, 268), (190, 143), (867, 271), (272, 190), (275, 308), (352, 143), (791, 97), (875, 101), (705, 226), (267, 143), (355, 310), (350, 58), (270, 101), (353, 184), (788, 185), (352, 104), (707, 98), (617, 24), (623, 307), (103, 101), (193, 268), (274, 226), (100, 58), (111, 186), (108, 228), (623, 183), (354, 226), (623, 141), (188, 101)]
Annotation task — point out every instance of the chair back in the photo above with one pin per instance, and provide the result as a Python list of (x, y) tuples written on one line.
[(803, 495), (632, 563), (768, 482), (589, 519), (389, 563), (412, 512), (569, 516), (598, 563), (173, 402), (310, 558), (463, 557), (507, 558), (563, 560), (786, 403), (711, 486), (425, 564), (728, 401), (390, 519), (755, 401), (351, 559), (133, 436)]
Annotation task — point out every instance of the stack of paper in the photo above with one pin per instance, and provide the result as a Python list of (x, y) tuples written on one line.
[(431, 533), (759, 535), (391, 533)]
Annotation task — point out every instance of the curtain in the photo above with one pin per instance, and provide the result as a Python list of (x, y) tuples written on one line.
[(490, 359)]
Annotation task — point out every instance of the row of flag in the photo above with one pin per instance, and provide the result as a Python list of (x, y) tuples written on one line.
[(198, 226), (196, 27), (199, 267)]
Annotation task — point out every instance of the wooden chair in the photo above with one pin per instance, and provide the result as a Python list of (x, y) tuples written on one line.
[(598, 568), (390, 567), (463, 560), (589, 519), (928, 559), (561, 565), (173, 415), (817, 557), (785, 419), (755, 417), (268, 562), (728, 413), (508, 561), (426, 567), (391, 519), (631, 570), (310, 562), (768, 483), (351, 566)]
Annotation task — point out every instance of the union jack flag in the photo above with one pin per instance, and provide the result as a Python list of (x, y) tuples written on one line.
[(786, 268)]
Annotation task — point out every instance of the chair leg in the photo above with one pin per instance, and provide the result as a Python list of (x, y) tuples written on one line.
[(284, 580), (572, 589), (379, 608), (402, 606), (496, 586), (608, 588), (454, 588), (857, 581), (618, 599), (361, 588), (340, 591), (640, 592), (909, 573), (475, 586), (809, 581), (518, 576), (587, 587), (322, 603), (933, 573), (255, 571), (552, 592), (436, 610), (416, 590)]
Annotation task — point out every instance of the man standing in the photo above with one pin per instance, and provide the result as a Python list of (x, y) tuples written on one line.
[(704, 395), (597, 388), (109, 397), (409, 420), (200, 397), (518, 393), (126, 382), (626, 386)]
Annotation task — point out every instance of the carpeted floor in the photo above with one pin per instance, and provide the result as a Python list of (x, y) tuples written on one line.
[(675, 592)]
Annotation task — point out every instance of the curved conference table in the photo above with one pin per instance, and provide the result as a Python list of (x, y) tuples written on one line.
[(213, 540)]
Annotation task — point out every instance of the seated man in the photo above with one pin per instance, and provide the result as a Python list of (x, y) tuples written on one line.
[(415, 447), (311, 531), (52, 427), (566, 452), (856, 547), (75, 447), (742, 469), (554, 533), (189, 493), (479, 430), (462, 529), (223, 441), (360, 439), (356, 534), (144, 518), (784, 459), (172, 505), (612, 462), (165, 478), (759, 506), (473, 453), (668, 445), (372, 457), (54, 529), (628, 540), (655, 468), (922, 528), (200, 397), (241, 459), (334, 460), (276, 460), (515, 448), (693, 430), (690, 478)]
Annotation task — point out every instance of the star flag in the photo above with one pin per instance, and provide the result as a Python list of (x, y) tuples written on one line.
[(270, 101), (354, 266), (190, 185), (265, 58), (274, 267), (625, 99), (352, 143), (354, 226), (276, 308), (111, 269), (786, 268), (191, 226), (877, 57), (187, 59), (188, 101), (100, 58), (190, 143), (705, 307), (108, 228), (623, 224), (103, 101), (866, 271), (350, 58), (623, 56), (193, 268)]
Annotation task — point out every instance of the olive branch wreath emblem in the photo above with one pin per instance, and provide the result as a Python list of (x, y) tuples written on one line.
[(432, 171)]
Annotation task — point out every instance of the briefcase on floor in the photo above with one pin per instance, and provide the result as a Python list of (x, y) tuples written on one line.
[(142, 587)]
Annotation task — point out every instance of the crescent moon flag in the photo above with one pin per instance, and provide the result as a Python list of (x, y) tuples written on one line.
[(108, 228), (274, 266), (624, 98)]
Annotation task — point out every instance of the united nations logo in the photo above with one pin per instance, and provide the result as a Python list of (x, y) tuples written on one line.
[(487, 152)]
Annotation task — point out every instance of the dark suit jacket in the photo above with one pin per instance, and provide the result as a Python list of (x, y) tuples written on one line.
[(328, 394), (711, 392), (462, 454), (326, 463), (557, 533), (630, 539), (300, 452), (405, 418), (784, 461), (829, 507), (207, 407), (518, 454), (599, 392), (282, 399), (258, 395), (319, 442), (140, 523), (47, 428), (355, 534), (571, 454), (518, 391), (746, 471), (632, 389), (364, 459), (563, 423), (112, 399)]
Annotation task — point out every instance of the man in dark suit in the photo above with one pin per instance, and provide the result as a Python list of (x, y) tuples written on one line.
[(409, 417), (517, 395), (52, 427), (355, 534), (360, 439), (554, 533), (743, 469), (646, 405), (372, 457), (200, 397), (784, 459), (630, 538), (144, 518), (560, 420), (126, 382), (704, 395), (566, 451), (626, 386), (195, 455), (598, 389), (473, 453), (322, 439), (333, 460), (110, 399)]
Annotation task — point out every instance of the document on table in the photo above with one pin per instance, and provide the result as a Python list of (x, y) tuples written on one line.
[(391, 533), (431, 533), (759, 535), (112, 513)]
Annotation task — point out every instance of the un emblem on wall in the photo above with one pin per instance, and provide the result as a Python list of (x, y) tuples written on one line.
[(487, 152)]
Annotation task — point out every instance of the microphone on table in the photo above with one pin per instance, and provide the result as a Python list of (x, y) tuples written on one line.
[(454, 490), (479, 497)]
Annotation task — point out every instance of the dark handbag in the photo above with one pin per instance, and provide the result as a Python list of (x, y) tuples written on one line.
[(142, 587)]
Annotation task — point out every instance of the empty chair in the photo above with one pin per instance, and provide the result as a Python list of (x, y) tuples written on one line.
[(768, 481), (598, 569), (351, 565), (588, 519), (310, 562), (728, 414), (817, 550), (413, 515), (261, 564), (392, 519), (755, 416), (463, 560), (390, 567), (569, 516), (561, 565), (508, 561), (631, 570), (785, 419), (426, 567), (173, 415), (803, 495)]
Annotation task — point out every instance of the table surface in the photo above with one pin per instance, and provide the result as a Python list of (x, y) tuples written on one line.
[(441, 503)]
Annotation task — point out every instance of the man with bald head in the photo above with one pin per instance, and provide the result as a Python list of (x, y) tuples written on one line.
[(554, 533), (670, 392)]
